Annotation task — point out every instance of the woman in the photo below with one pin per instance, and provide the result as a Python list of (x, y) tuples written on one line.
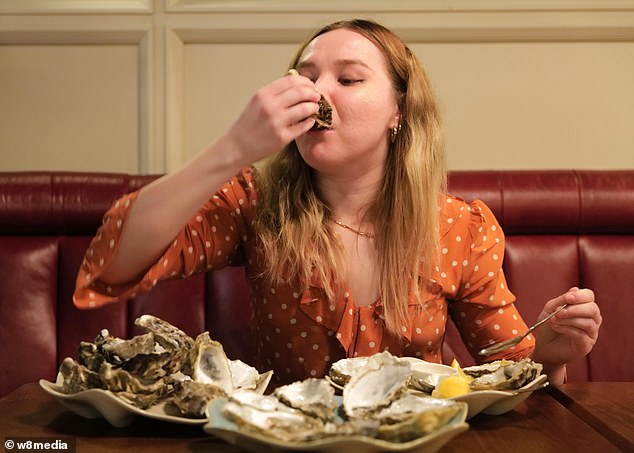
[(349, 241)]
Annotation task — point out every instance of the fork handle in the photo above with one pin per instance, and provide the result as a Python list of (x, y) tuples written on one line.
[(537, 324)]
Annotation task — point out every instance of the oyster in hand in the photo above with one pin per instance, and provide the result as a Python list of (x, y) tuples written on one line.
[(323, 118)]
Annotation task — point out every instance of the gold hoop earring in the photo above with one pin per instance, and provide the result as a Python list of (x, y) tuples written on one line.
[(394, 132)]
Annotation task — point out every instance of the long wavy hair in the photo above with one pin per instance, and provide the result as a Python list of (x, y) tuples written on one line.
[(293, 221)]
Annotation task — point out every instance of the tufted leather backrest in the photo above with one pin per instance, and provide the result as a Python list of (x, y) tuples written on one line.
[(563, 228)]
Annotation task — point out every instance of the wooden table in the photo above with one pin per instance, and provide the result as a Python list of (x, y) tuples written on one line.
[(577, 417), (608, 407)]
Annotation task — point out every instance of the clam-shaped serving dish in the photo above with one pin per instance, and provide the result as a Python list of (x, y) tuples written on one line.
[(497, 402), (490, 402), (98, 403), (220, 426), (426, 375)]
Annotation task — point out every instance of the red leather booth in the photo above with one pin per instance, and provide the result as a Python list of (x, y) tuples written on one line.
[(564, 228)]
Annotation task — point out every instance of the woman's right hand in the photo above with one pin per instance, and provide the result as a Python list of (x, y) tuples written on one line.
[(277, 114)]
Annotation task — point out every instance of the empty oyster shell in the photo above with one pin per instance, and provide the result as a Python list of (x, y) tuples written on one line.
[(267, 416), (191, 398), (163, 364), (209, 364), (244, 376), (342, 370), (410, 417), (77, 377), (503, 374), (313, 396), (379, 383)]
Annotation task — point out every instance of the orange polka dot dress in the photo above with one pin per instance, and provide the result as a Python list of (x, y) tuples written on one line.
[(298, 331)]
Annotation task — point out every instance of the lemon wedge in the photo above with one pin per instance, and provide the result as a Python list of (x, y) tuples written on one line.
[(452, 386)]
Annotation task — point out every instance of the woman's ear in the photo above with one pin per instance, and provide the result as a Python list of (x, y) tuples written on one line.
[(396, 120)]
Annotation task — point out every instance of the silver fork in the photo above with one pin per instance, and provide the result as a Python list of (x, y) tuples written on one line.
[(513, 341)]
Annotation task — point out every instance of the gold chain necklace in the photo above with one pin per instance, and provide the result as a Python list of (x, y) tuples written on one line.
[(357, 232)]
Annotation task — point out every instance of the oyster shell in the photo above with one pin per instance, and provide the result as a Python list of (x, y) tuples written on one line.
[(162, 364), (209, 364), (267, 416), (323, 118), (167, 335), (503, 374), (375, 386), (77, 377), (244, 376), (191, 397), (404, 418), (342, 370), (313, 396), (410, 417)]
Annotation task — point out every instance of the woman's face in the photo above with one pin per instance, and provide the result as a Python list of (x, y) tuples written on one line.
[(350, 72)]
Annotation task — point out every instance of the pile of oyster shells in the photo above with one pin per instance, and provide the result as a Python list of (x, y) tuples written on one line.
[(162, 365), (499, 375), (166, 365), (375, 403)]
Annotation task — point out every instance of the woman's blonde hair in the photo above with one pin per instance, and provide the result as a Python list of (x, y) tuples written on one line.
[(293, 221)]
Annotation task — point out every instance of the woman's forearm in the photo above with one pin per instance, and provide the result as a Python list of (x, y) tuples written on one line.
[(163, 207)]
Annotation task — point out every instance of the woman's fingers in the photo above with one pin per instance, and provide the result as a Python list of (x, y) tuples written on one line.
[(275, 115)]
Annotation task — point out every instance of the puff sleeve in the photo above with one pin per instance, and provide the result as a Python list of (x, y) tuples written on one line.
[(212, 239), (483, 308)]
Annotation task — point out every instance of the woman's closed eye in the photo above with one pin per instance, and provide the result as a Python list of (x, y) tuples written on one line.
[(349, 81)]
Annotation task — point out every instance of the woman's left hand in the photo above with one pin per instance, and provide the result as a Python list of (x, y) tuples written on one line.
[(571, 333)]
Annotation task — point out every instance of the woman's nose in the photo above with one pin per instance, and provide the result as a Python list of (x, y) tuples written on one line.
[(324, 87), (323, 83)]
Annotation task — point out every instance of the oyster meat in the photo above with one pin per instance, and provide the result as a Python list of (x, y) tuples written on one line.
[(323, 118)]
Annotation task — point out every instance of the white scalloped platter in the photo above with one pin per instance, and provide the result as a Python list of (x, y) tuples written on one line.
[(225, 429), (98, 403), (497, 402)]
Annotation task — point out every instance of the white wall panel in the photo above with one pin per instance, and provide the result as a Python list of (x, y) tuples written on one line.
[(522, 83), (68, 107)]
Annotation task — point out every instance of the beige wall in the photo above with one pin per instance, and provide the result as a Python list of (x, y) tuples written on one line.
[(140, 86)]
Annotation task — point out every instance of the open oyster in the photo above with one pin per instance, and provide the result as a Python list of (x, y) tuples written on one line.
[(323, 118), (503, 374)]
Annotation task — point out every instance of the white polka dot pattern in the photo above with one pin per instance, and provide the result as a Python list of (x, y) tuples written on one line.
[(300, 332)]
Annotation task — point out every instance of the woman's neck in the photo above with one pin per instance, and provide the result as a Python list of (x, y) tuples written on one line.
[(350, 197)]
